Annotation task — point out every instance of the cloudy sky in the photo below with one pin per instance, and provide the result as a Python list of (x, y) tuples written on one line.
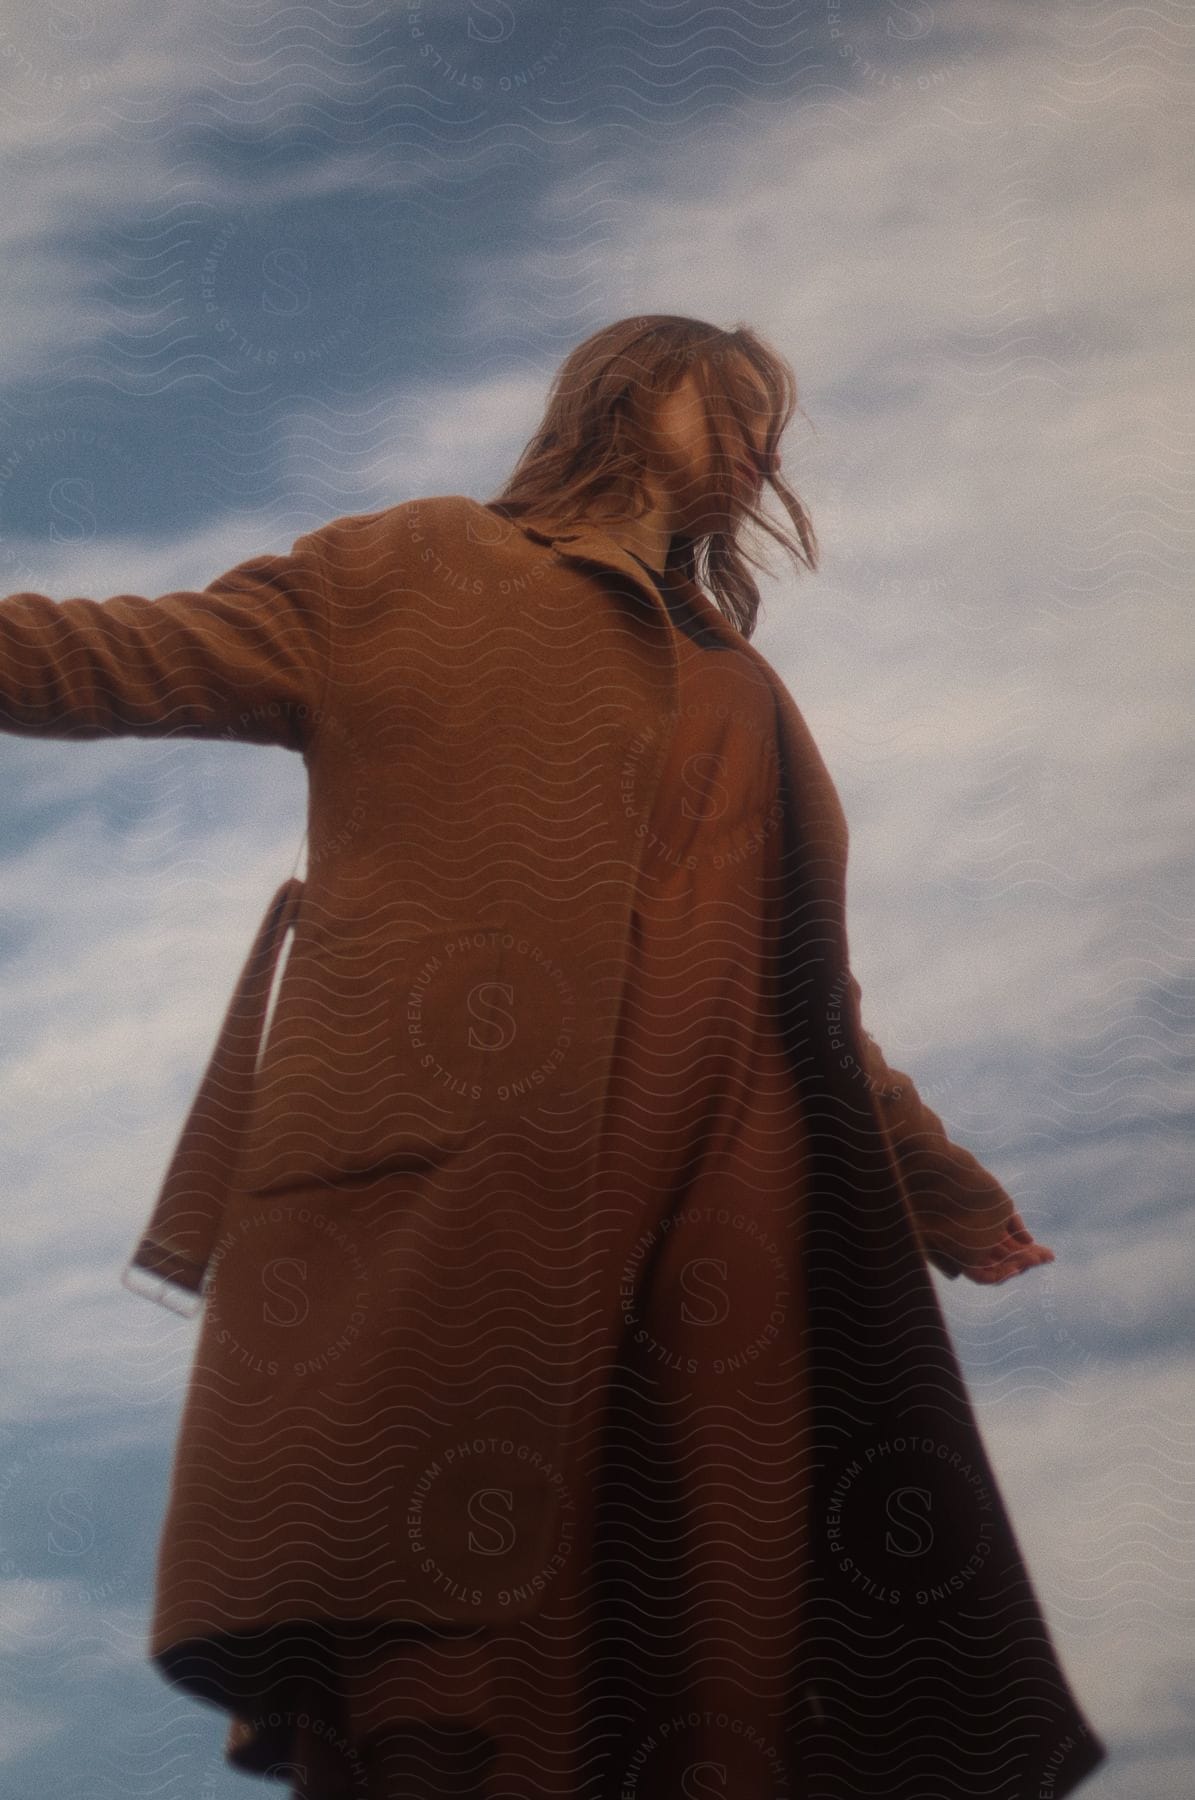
[(265, 266)]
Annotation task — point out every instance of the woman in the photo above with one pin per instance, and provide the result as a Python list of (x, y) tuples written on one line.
[(572, 1413)]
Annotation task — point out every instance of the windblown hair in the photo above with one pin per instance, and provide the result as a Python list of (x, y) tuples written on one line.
[(589, 445)]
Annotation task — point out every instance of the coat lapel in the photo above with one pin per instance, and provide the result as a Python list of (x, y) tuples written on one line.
[(588, 544)]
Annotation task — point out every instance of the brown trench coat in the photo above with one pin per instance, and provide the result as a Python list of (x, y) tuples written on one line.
[(482, 707)]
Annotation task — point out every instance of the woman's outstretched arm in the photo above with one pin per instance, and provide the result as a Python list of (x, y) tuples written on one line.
[(247, 657), (967, 1222)]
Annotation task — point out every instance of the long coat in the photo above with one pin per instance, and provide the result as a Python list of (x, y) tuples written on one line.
[(482, 705)]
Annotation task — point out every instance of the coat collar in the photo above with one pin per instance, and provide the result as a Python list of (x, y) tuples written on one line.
[(588, 543)]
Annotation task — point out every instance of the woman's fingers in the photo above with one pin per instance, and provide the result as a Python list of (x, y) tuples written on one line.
[(1009, 1257), (1015, 1251)]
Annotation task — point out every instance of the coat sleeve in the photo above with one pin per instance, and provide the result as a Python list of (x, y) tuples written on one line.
[(954, 1199), (245, 658)]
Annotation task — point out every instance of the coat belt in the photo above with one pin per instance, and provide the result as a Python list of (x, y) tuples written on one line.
[(177, 1245)]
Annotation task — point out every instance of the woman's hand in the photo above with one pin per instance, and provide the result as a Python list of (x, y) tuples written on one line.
[(1012, 1253)]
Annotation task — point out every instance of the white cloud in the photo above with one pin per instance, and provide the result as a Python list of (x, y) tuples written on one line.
[(24, 1729), (1097, 1478)]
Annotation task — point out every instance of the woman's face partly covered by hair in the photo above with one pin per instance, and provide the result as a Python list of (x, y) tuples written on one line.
[(662, 431), (705, 446)]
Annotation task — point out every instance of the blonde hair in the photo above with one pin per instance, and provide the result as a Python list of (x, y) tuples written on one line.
[(589, 443)]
